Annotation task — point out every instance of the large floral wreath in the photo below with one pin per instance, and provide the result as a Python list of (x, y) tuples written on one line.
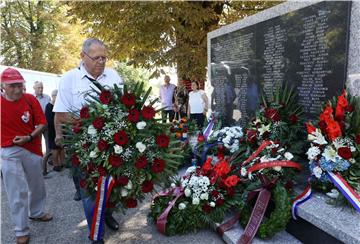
[(334, 153), (117, 134)]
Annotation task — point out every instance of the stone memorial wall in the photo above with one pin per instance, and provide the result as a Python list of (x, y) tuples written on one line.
[(306, 46)]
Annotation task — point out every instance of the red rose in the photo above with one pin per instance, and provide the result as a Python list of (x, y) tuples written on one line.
[(84, 113), (201, 138), (102, 145), (147, 186), (251, 136), (158, 165), (345, 153), (75, 160), (121, 138), (293, 119), (206, 208), (272, 114), (115, 161), (105, 97), (215, 194), (162, 141), (141, 162), (148, 112), (134, 115), (82, 183), (232, 181), (76, 129), (122, 180), (128, 99), (220, 202), (130, 203), (98, 123), (102, 171), (357, 139)]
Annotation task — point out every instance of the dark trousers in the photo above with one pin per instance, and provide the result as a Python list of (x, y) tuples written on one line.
[(166, 113), (199, 118)]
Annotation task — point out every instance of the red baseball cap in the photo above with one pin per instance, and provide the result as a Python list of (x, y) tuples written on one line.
[(11, 76)]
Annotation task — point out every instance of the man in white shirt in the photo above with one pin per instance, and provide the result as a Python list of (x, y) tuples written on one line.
[(72, 87), (167, 99)]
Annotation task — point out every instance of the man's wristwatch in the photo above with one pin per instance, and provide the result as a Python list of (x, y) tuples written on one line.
[(30, 137)]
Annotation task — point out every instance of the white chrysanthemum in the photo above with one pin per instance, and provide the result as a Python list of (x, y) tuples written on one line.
[(196, 201), (317, 171), (313, 152), (190, 170), (187, 192), (140, 146), (93, 154), (129, 185), (204, 196), (91, 130), (243, 171), (317, 137), (330, 154), (118, 149), (277, 168), (141, 125), (182, 206), (288, 155), (124, 192), (212, 204)]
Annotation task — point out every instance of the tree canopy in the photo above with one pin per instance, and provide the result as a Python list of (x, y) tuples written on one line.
[(157, 34)]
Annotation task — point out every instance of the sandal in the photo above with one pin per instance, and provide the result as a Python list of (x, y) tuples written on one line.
[(46, 217), (22, 239)]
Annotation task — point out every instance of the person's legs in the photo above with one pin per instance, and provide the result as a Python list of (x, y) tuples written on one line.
[(163, 116), (16, 188), (35, 180), (62, 157), (171, 115), (45, 134)]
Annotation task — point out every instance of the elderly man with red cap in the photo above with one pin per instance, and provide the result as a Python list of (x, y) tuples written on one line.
[(22, 121)]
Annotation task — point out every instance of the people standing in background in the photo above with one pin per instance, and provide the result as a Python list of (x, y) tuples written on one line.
[(22, 123), (181, 100), (43, 99), (72, 86), (58, 153), (167, 99), (198, 104)]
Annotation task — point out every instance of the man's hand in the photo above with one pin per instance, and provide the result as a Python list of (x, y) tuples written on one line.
[(21, 140), (59, 140)]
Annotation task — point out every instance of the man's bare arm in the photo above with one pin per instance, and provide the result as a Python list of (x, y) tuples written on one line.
[(60, 119)]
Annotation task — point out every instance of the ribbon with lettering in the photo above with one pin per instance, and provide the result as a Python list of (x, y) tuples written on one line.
[(162, 219), (104, 185)]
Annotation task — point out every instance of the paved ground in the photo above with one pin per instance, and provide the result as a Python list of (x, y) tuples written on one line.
[(69, 224)]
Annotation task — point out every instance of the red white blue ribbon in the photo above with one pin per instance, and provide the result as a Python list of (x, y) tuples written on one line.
[(345, 189), (209, 128), (303, 197), (105, 185)]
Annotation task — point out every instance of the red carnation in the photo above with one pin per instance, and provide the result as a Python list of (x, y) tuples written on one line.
[(76, 129), (115, 161), (130, 203), (206, 208), (220, 202), (102, 145), (105, 97), (134, 115), (345, 153), (357, 139), (293, 119), (121, 138), (162, 140), (75, 160), (147, 186), (98, 123), (272, 114), (122, 180), (158, 165), (215, 194), (148, 112), (141, 162), (232, 181), (82, 183), (84, 113), (128, 99), (102, 171)]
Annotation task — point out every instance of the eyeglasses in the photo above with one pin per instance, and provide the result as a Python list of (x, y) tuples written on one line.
[(97, 58)]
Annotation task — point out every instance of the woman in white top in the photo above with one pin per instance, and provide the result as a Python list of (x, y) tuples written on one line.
[(198, 104)]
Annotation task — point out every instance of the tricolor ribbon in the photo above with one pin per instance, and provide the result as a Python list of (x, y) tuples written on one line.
[(209, 128), (162, 219), (104, 185), (303, 197), (345, 189)]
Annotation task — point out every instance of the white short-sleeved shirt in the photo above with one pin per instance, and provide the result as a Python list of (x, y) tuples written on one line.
[(196, 102), (75, 83)]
